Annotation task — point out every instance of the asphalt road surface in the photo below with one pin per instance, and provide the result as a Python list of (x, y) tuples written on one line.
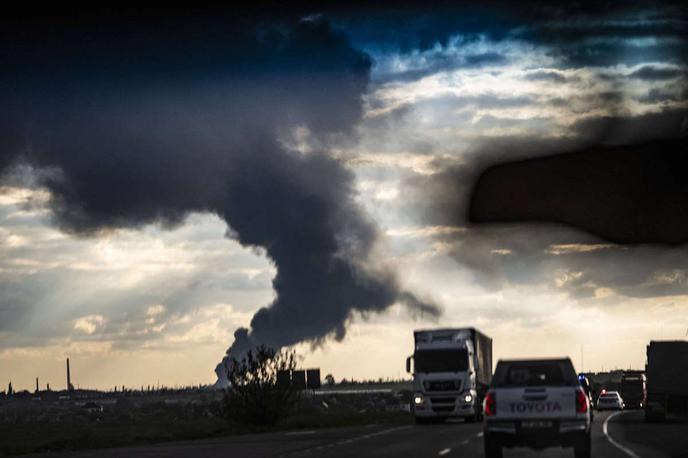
[(615, 435)]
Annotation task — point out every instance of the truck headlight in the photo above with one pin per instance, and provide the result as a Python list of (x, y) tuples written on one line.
[(468, 398), (418, 399)]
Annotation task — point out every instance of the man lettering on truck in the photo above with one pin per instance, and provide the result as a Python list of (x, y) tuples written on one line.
[(537, 404)]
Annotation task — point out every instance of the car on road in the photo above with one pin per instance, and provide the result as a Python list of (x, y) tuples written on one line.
[(611, 400), (538, 404), (587, 387)]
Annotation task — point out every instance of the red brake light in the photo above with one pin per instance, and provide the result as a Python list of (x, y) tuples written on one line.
[(581, 401), (490, 404)]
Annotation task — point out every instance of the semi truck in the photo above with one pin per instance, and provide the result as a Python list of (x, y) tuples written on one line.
[(452, 369), (633, 386), (667, 379)]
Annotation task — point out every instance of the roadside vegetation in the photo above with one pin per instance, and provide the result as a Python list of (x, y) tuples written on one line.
[(256, 404), (255, 398)]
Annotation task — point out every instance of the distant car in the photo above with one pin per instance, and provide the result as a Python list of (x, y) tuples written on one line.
[(587, 387), (611, 400)]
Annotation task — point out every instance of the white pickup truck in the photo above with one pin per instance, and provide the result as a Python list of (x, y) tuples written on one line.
[(536, 404)]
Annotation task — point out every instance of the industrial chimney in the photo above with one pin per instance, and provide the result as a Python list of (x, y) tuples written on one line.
[(70, 387)]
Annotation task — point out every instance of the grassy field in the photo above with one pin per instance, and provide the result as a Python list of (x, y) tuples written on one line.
[(43, 437), (72, 430)]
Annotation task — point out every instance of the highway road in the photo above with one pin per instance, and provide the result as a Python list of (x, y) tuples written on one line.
[(615, 435)]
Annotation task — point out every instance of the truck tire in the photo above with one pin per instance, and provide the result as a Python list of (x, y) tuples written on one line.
[(422, 420), (583, 449), (493, 449)]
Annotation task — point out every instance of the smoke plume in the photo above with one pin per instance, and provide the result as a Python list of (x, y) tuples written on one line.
[(148, 125)]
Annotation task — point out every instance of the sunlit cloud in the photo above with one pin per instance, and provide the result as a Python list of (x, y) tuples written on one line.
[(89, 324)]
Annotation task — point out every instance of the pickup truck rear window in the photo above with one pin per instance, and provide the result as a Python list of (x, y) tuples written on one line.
[(527, 374)]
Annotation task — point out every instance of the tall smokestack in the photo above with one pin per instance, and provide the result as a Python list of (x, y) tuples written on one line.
[(36, 384), (69, 378)]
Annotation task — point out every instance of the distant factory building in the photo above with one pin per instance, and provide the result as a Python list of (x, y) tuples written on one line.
[(298, 379), (313, 378), (283, 379)]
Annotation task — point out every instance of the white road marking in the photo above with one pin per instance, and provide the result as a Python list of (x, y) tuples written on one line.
[(479, 435), (464, 442), (626, 450), (299, 433), (444, 452), (345, 441)]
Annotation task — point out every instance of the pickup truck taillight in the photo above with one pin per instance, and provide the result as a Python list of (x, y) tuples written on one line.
[(490, 404), (581, 401)]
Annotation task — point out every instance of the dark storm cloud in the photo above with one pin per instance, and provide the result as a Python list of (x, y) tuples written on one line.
[(137, 130), (653, 73), (561, 259), (486, 58), (419, 26), (655, 95), (543, 75), (441, 62), (618, 130), (574, 33), (446, 108), (609, 33)]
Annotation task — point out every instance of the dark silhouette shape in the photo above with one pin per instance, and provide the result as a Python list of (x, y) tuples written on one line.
[(625, 194), (255, 395)]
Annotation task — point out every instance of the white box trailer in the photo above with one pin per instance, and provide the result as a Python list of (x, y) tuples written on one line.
[(452, 369)]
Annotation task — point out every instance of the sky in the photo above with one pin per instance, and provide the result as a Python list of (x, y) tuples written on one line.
[(179, 186)]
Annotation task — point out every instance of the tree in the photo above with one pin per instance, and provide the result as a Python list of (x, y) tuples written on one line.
[(329, 379), (254, 397)]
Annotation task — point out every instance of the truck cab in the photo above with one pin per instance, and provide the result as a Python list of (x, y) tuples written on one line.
[(633, 387), (449, 374)]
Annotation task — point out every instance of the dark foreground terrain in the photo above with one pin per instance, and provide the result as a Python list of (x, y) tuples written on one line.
[(625, 435), (105, 420)]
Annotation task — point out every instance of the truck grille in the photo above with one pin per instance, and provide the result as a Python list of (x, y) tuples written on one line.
[(443, 409), (443, 385)]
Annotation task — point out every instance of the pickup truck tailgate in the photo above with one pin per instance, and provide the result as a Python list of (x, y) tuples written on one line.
[(535, 402)]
